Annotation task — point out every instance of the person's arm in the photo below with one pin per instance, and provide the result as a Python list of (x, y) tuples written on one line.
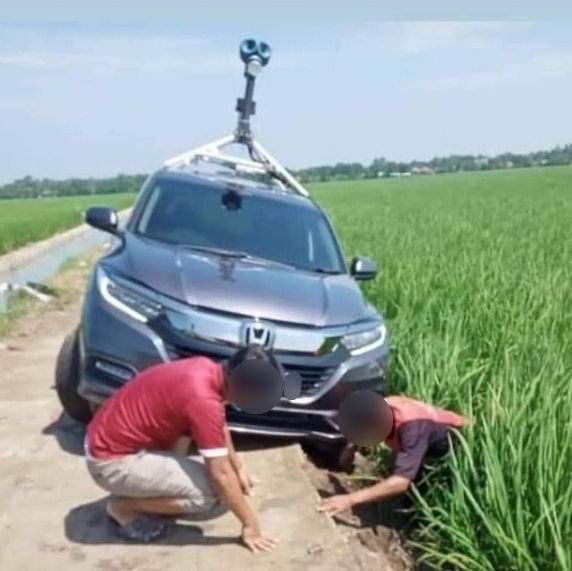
[(392, 486), (414, 441), (227, 486), (232, 455), (207, 426), (245, 480)]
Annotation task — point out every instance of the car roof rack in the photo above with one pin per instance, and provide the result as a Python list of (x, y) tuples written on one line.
[(255, 55)]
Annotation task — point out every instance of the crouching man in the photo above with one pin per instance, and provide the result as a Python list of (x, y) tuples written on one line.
[(131, 449), (414, 430)]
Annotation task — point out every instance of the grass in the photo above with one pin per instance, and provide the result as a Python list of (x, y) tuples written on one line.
[(475, 285), (17, 306), (67, 286), (29, 220)]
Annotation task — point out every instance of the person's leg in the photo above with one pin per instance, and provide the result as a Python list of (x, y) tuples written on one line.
[(124, 510), (161, 483)]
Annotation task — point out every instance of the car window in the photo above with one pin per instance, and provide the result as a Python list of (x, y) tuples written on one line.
[(186, 213)]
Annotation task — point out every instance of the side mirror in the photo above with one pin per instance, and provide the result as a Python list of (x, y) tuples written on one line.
[(363, 268), (103, 218)]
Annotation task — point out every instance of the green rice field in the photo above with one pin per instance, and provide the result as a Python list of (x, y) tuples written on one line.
[(30, 220), (476, 284)]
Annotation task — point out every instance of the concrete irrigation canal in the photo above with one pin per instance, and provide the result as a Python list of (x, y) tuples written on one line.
[(34, 264)]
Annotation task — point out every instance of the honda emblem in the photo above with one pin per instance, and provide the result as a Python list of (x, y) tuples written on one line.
[(257, 333)]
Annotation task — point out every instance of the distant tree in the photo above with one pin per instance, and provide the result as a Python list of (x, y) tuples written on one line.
[(453, 163), (29, 187)]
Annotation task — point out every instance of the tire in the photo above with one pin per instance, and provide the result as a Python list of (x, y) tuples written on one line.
[(343, 457), (67, 380), (337, 456)]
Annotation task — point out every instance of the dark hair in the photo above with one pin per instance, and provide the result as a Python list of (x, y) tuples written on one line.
[(251, 352)]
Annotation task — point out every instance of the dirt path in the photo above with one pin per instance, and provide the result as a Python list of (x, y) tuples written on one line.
[(51, 514)]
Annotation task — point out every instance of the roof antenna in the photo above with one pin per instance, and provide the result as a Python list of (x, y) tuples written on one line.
[(255, 55)]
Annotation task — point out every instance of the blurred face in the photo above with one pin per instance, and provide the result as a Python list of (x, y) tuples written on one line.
[(365, 418), (255, 386)]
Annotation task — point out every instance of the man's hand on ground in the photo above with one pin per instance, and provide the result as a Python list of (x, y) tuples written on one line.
[(246, 481), (336, 504), (252, 538)]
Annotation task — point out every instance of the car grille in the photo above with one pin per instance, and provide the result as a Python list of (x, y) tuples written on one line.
[(281, 420), (313, 378), (178, 352)]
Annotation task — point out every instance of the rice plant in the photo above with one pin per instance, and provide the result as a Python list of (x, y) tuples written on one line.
[(475, 280), (29, 220)]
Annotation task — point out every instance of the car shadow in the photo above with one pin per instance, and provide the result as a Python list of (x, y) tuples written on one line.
[(246, 442), (88, 524), (69, 434)]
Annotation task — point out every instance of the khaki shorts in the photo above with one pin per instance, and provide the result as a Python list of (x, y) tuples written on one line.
[(156, 475)]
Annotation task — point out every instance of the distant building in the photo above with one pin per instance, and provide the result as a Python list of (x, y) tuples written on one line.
[(399, 174), (422, 170), (481, 162)]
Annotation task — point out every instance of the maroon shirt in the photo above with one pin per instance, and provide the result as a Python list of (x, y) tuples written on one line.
[(163, 403), (419, 439)]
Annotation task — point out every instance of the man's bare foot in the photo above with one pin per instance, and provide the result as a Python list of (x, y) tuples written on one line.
[(119, 511)]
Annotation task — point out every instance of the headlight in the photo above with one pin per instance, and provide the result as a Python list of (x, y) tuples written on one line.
[(135, 304), (364, 341)]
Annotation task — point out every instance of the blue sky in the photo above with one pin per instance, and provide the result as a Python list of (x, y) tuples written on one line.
[(95, 99)]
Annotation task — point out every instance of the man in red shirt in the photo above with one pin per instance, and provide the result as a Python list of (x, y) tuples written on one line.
[(413, 429), (133, 448)]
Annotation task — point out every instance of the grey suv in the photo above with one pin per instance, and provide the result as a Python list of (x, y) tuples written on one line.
[(206, 264)]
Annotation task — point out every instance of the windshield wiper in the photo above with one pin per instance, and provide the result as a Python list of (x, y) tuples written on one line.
[(328, 271), (216, 251), (236, 254), (268, 261)]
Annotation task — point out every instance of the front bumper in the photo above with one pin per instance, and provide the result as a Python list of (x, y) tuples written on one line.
[(284, 422), (114, 347)]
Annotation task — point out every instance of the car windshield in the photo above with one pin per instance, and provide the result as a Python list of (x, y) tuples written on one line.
[(247, 224)]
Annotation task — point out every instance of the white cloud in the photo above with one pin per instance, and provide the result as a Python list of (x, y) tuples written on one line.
[(22, 60), (416, 38), (487, 54), (47, 50), (153, 54), (556, 63), (420, 37), (539, 63)]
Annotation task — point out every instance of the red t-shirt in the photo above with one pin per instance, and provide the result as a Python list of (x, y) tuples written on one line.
[(163, 403)]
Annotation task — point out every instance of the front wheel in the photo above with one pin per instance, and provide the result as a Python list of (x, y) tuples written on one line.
[(343, 456), (337, 456), (67, 380)]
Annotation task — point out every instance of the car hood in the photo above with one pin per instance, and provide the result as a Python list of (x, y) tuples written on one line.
[(242, 287)]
